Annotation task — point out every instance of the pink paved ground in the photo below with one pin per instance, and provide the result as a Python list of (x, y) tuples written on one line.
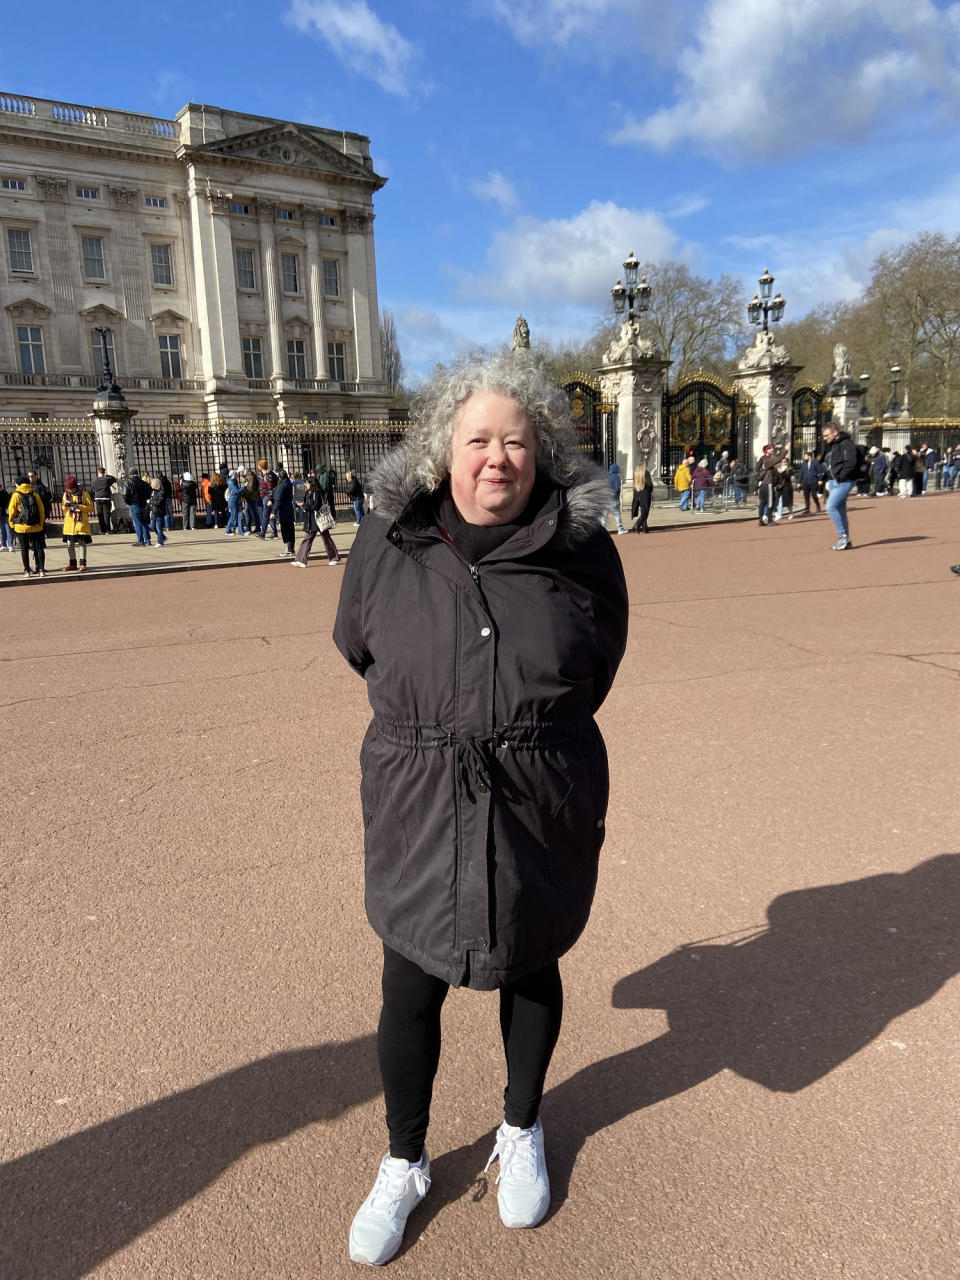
[(187, 1080)]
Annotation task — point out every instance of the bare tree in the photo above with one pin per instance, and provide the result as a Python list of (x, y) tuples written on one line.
[(390, 353)]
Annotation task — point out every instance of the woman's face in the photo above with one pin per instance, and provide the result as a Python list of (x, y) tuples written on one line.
[(493, 459)]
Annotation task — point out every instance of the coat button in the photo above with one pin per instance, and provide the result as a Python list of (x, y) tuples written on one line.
[(482, 944), (599, 824), (484, 631)]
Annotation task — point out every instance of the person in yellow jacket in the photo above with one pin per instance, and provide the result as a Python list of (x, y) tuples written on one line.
[(77, 510), (27, 519), (682, 483)]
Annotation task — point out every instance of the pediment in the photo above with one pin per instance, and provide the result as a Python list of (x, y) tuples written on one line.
[(101, 313), (167, 316), (27, 309), (288, 146)]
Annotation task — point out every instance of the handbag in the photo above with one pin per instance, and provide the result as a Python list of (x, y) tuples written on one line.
[(325, 520)]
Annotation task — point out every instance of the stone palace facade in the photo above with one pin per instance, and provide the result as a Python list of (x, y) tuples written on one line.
[(230, 257)]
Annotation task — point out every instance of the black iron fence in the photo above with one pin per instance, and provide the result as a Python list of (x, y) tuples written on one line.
[(54, 450)]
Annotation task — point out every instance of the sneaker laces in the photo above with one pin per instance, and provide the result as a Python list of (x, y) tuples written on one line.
[(518, 1157), (391, 1185)]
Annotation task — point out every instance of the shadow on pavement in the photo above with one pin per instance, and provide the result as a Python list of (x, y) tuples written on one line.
[(67, 1207), (781, 1006)]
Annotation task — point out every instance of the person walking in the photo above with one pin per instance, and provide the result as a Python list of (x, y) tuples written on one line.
[(616, 487), (316, 513), (740, 474), (766, 484), (878, 471), (701, 482), (102, 495), (682, 483), (188, 499), (642, 498), (355, 494), (77, 506), (158, 510), (136, 494), (285, 512), (841, 464), (487, 612), (808, 478), (27, 516)]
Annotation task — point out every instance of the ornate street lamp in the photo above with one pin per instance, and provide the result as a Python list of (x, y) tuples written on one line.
[(636, 293), (761, 306), (893, 408), (864, 381), (109, 395)]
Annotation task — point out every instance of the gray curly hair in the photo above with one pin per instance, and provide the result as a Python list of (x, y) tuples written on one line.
[(511, 373)]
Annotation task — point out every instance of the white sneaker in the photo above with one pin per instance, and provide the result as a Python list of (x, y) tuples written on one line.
[(376, 1233), (523, 1188)]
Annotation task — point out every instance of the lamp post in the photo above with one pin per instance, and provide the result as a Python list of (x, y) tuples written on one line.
[(864, 381), (761, 306), (893, 408), (636, 293)]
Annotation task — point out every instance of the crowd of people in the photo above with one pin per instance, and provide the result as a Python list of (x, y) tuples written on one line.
[(250, 502)]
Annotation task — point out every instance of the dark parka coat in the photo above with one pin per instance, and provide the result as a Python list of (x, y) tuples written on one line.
[(484, 776)]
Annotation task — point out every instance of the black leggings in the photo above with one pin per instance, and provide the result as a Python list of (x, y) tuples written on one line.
[(408, 1046)]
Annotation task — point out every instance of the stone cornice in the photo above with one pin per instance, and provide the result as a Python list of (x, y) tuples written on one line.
[(284, 148)]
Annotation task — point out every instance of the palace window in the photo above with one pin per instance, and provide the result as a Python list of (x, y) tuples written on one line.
[(264, 417), (96, 346), (91, 251), (237, 207), (170, 363), (286, 215), (336, 360), (296, 358), (39, 417), (13, 184), (246, 275), (331, 278), (30, 341), (21, 254), (161, 263), (253, 357), (88, 193), (155, 202), (289, 272), (325, 220)]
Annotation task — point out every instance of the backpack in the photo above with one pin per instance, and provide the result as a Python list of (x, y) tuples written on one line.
[(862, 468), (29, 509)]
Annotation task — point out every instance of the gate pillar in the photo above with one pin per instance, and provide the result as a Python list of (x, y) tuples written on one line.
[(633, 377), (766, 377)]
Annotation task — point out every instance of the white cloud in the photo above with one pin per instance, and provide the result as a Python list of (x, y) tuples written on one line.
[(596, 28), (572, 260), (362, 41), (537, 22), (765, 77), (498, 189)]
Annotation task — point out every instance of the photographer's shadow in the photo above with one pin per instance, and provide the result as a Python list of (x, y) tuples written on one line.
[(781, 1006)]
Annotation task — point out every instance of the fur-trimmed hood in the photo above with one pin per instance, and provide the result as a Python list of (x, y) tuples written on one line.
[(584, 502)]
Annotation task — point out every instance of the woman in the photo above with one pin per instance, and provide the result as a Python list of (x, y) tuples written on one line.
[(355, 494), (487, 611), (314, 507), (234, 501), (784, 489), (158, 509), (188, 496), (642, 498), (27, 516), (77, 510), (285, 512), (701, 481)]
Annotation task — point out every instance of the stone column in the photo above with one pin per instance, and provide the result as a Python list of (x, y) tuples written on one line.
[(315, 292), (267, 212), (112, 423), (363, 293), (215, 288), (134, 281), (633, 377), (766, 376), (63, 273)]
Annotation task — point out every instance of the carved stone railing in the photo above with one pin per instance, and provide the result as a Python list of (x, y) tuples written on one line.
[(82, 117)]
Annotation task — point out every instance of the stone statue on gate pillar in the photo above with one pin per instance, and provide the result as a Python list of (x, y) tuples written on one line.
[(766, 378), (632, 377), (521, 335), (845, 391)]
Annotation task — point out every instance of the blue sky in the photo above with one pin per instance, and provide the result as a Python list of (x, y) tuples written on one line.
[(531, 144)]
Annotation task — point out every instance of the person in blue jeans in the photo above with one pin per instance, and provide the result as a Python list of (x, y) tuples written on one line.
[(6, 530), (234, 499), (158, 510), (841, 464)]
